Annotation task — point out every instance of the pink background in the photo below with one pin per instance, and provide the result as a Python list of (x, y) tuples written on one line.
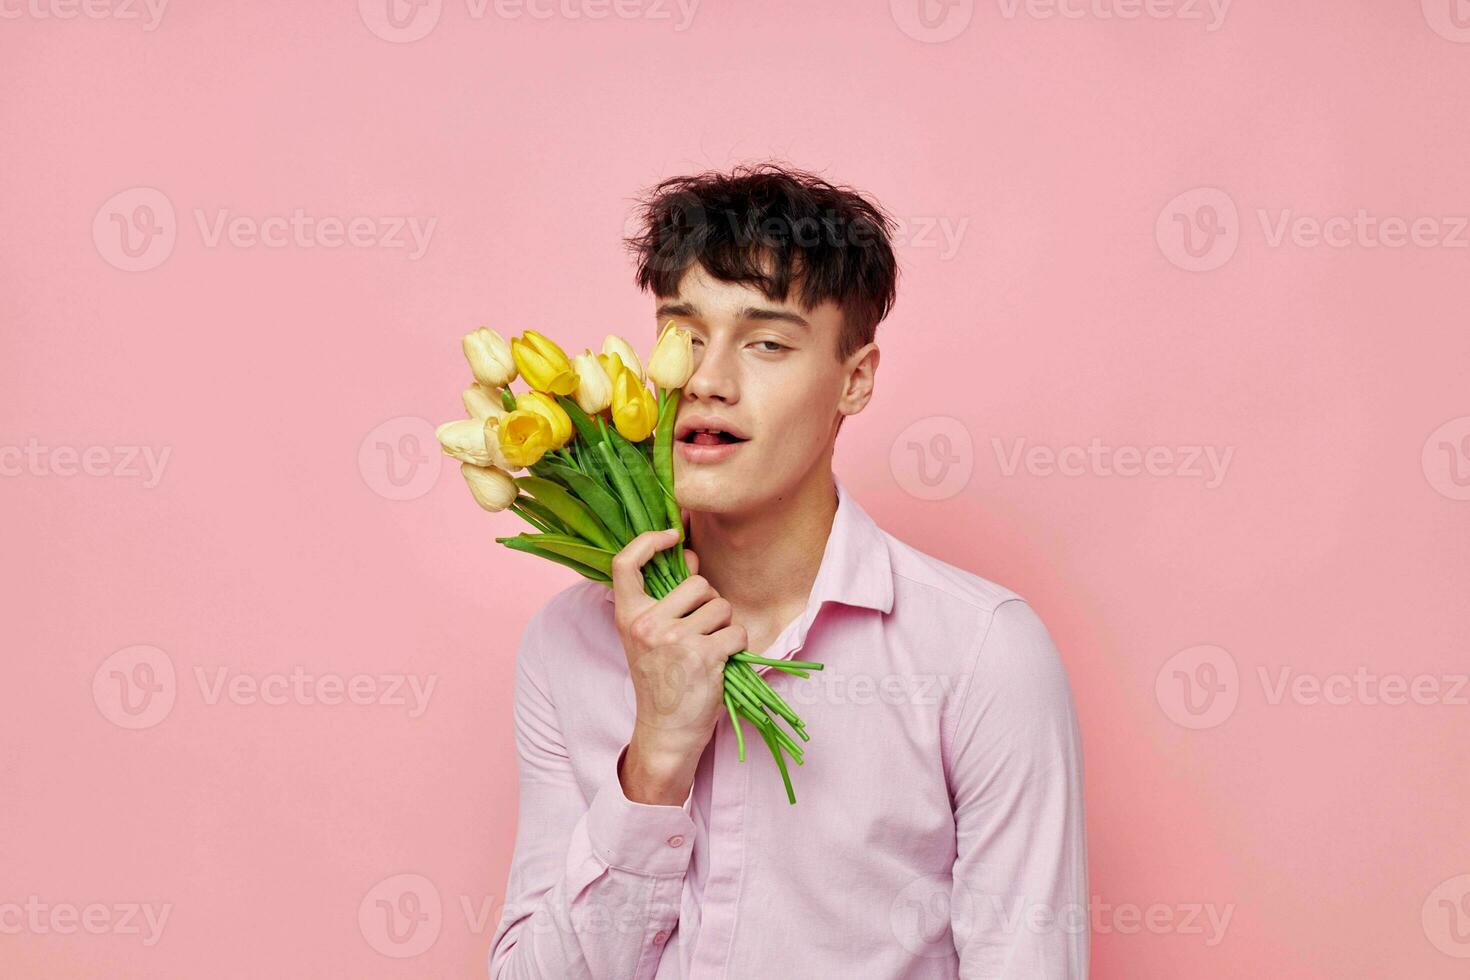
[(293, 388)]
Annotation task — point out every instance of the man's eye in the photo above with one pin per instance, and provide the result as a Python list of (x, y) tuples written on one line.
[(778, 347)]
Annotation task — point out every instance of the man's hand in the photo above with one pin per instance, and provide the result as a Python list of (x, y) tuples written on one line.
[(676, 647)]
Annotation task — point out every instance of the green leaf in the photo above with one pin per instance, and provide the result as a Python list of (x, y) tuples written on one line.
[(585, 428), (607, 508), (575, 549), (627, 492), (531, 548), (644, 479), (576, 516), (543, 514), (529, 516)]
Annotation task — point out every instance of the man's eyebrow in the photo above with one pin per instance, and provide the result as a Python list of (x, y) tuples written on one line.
[(766, 313), (685, 308)]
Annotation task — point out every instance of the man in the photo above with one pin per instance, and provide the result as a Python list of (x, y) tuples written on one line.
[(939, 826)]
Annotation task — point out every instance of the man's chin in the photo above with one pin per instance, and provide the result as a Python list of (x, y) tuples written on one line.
[(705, 489)]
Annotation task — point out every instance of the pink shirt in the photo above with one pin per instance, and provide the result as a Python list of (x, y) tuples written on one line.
[(938, 829)]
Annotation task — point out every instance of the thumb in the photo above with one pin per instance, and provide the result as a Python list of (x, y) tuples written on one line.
[(692, 560)]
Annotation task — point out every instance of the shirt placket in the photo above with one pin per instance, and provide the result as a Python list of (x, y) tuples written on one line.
[(729, 793)]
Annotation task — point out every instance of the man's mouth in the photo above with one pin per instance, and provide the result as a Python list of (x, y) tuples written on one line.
[(709, 437)]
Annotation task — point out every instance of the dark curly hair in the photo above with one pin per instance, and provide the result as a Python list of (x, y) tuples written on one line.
[(777, 228)]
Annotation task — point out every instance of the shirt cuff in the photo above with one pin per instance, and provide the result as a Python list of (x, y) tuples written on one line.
[(645, 838)]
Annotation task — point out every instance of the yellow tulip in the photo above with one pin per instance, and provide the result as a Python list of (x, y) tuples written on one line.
[(492, 487), (543, 364), (548, 408), (672, 360), (635, 412), (594, 387), (613, 365), (490, 358), (490, 429), (524, 437), (613, 344), (482, 402)]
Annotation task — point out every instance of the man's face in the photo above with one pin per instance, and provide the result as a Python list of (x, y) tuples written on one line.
[(769, 371)]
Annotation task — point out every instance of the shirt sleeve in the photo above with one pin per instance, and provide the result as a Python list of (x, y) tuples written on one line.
[(1019, 907), (594, 887)]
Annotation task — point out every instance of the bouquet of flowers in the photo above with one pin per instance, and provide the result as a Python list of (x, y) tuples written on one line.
[(597, 448)]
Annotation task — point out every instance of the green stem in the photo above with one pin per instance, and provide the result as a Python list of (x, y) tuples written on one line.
[(526, 516), (735, 724)]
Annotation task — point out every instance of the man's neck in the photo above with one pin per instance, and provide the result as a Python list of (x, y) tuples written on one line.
[(765, 562)]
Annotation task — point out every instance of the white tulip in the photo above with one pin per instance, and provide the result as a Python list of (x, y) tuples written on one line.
[(490, 358), (482, 402), (594, 387), (492, 487)]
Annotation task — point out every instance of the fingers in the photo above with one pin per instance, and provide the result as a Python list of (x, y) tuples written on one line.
[(713, 615), (692, 560), (627, 564), (730, 640), (687, 596)]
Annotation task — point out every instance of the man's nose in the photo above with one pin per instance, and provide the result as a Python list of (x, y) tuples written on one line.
[(716, 374)]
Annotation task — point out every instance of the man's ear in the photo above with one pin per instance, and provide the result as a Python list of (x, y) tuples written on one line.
[(857, 389)]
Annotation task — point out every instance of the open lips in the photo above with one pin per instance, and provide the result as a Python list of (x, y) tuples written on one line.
[(706, 430)]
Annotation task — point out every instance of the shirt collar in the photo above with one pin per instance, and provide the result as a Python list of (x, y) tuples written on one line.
[(856, 568)]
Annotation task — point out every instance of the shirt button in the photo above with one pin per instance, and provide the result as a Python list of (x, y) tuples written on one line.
[(660, 938), (676, 841)]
